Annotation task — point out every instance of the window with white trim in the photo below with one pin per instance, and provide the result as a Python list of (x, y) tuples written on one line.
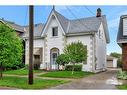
[(55, 31), (125, 27)]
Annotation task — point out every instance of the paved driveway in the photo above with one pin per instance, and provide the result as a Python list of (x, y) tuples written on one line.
[(103, 80)]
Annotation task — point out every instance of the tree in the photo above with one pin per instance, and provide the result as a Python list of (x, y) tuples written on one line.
[(76, 52), (115, 54), (119, 56), (11, 48), (62, 60)]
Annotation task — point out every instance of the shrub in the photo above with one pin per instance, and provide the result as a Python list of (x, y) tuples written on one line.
[(26, 66), (62, 60), (122, 74), (76, 52), (11, 48), (76, 67), (119, 63)]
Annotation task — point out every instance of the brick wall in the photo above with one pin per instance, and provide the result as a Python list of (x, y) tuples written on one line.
[(124, 56)]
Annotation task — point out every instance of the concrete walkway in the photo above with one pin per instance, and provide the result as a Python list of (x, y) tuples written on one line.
[(104, 80)]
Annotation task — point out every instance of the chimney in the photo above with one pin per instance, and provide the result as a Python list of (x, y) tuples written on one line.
[(98, 12)]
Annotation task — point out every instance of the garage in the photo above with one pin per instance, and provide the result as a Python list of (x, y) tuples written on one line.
[(111, 62)]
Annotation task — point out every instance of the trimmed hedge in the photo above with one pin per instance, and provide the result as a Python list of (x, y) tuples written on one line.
[(76, 67)]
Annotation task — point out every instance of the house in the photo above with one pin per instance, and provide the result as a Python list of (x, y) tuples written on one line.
[(111, 62), (51, 38), (122, 39)]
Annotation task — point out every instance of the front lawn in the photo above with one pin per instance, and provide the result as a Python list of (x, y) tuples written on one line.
[(66, 74), (122, 87), (21, 83), (20, 72)]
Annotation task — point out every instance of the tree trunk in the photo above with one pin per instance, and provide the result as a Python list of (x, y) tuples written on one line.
[(73, 68), (58, 67), (1, 71)]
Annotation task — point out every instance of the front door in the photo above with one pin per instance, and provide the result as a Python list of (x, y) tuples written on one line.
[(54, 54)]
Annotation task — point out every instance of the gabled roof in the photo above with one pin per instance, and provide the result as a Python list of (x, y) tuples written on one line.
[(15, 26), (83, 25), (111, 57), (90, 24), (120, 37), (63, 21)]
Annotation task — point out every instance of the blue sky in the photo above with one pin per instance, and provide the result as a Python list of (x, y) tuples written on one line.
[(19, 15)]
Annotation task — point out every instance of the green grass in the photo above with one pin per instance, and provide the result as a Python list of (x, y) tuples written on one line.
[(19, 72), (122, 87), (21, 83), (66, 74)]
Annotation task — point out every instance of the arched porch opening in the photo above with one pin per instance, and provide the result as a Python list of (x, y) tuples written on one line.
[(54, 52)]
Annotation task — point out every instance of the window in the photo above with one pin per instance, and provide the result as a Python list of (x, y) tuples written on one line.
[(55, 31), (125, 27)]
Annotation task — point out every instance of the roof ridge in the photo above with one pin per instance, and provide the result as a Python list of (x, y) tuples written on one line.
[(86, 18), (60, 14)]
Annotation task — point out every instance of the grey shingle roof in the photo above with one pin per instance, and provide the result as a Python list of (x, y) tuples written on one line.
[(90, 24), (63, 21), (17, 27), (37, 30), (120, 37)]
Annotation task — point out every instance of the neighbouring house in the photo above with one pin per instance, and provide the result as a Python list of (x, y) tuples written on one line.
[(18, 28), (111, 62), (51, 38), (122, 39)]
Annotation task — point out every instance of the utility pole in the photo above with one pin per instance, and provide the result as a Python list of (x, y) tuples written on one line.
[(31, 28)]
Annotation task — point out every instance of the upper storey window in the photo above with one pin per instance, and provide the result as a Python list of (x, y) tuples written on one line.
[(125, 27), (55, 31)]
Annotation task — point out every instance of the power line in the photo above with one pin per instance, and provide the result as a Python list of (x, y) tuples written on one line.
[(26, 14), (89, 10), (77, 18)]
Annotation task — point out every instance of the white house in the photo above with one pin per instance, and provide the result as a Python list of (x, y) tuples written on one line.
[(51, 37)]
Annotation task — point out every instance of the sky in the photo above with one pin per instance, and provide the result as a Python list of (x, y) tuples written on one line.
[(19, 15)]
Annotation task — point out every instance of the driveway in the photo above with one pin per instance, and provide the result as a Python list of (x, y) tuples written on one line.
[(103, 80)]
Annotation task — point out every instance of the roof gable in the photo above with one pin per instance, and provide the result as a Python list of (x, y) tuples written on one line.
[(58, 18), (63, 21), (120, 37)]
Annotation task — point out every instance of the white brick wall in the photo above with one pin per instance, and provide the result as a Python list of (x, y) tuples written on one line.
[(86, 40)]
